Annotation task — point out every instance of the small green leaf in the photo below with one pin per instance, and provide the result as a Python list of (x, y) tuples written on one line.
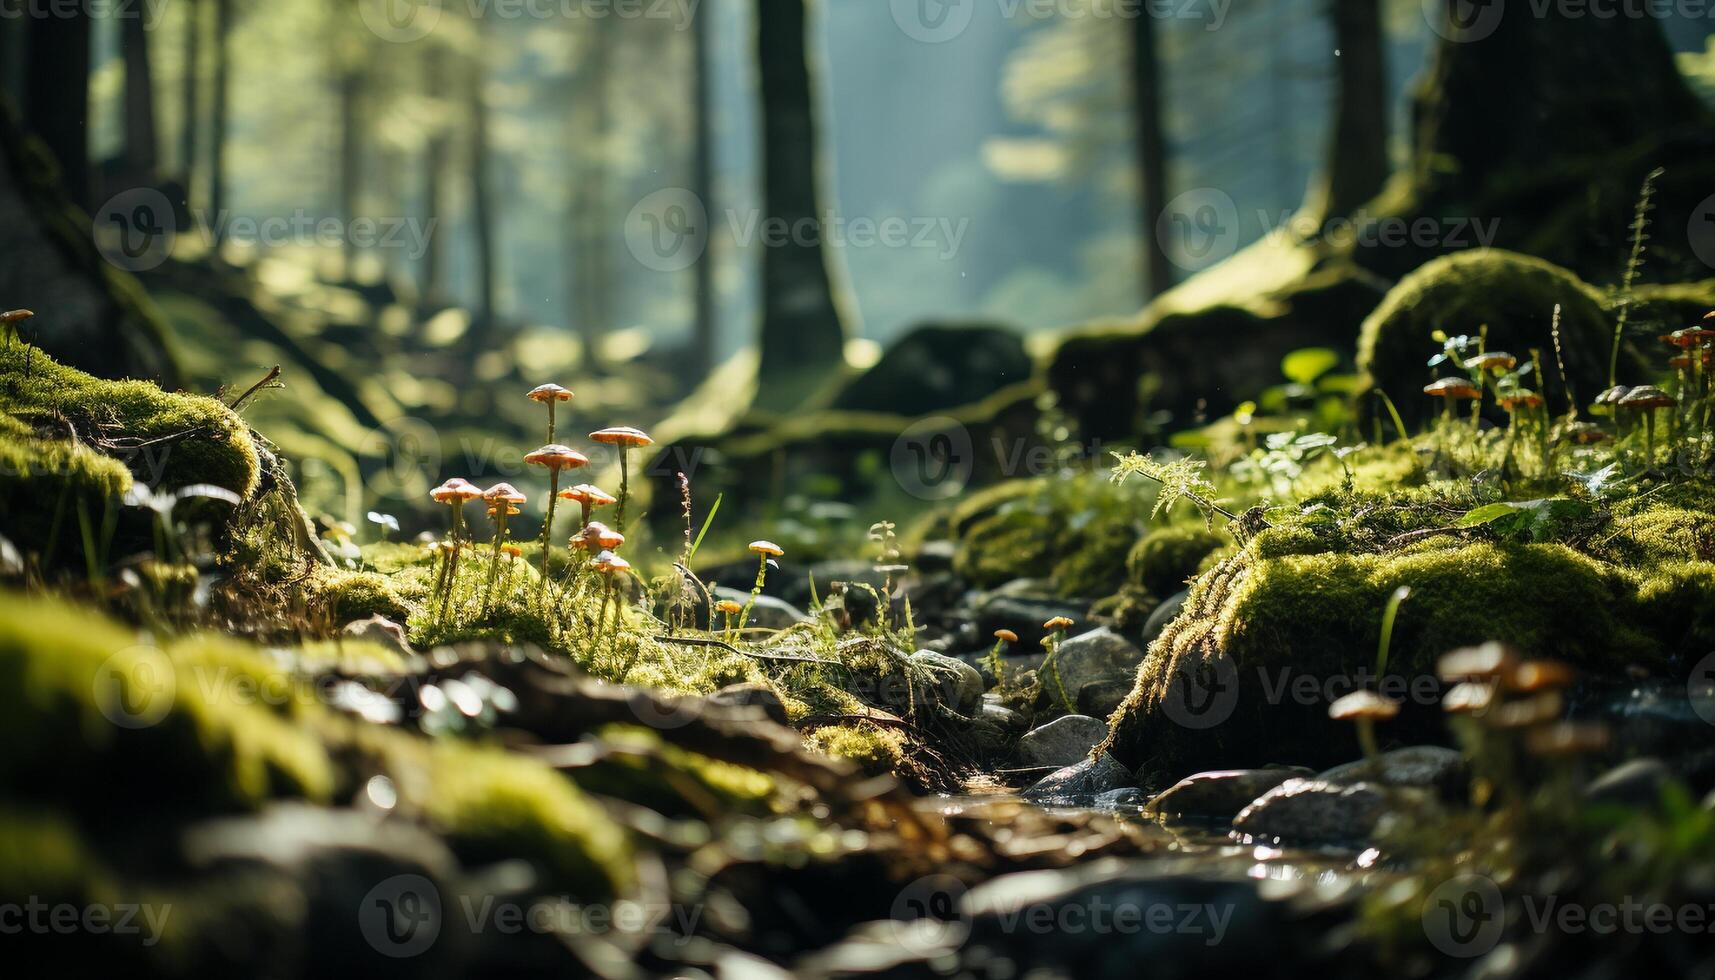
[(1305, 366)]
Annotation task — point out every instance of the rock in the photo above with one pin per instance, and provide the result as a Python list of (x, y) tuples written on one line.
[(1023, 614), (935, 556), (1167, 558), (1124, 798), (1635, 783), (939, 366), (379, 630), (1220, 794), (1100, 699), (1002, 716), (1097, 655), (1061, 742), (760, 699), (768, 613), (1089, 778), (1165, 613), (1430, 767), (1310, 811), (955, 683)]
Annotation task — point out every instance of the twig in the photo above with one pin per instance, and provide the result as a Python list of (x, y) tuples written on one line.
[(775, 657), (268, 380)]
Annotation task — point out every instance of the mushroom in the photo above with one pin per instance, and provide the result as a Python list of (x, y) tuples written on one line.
[(1493, 362), (1581, 433), (1001, 638), (1450, 390), (1469, 698), (1365, 708), (1568, 739), (766, 552), (730, 608), (609, 565), (1537, 709), (588, 496), (1006, 636), (455, 493), (10, 320), (1481, 663), (1056, 627), (503, 500), (623, 437), (599, 537), (1057, 624), (550, 395), (556, 458), (1537, 676), (1646, 399)]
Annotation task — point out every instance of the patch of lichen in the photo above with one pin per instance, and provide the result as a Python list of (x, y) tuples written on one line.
[(1510, 296), (1166, 559)]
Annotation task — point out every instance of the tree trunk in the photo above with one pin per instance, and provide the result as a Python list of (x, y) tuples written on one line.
[(587, 226), (703, 325), (219, 112), (482, 205), (188, 96), (433, 287), (350, 158), (1357, 163), (56, 96), (802, 337), (1151, 151), (141, 146)]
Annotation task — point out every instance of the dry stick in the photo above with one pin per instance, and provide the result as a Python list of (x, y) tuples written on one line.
[(266, 382), (696, 641)]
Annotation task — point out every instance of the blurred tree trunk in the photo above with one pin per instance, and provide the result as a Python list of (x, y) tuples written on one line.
[(56, 95), (188, 96), (1151, 150), (12, 57), (703, 323), (802, 337), (481, 203), (433, 287), (142, 148), (219, 112), (1357, 163), (588, 224), (351, 89)]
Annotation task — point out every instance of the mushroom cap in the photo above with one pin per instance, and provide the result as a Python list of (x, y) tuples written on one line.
[(1495, 360), (1613, 395), (1568, 738), (588, 493), (767, 548), (1688, 337), (1451, 388), (1058, 623), (455, 491), (607, 563), (1514, 399), (1363, 706), (1538, 709), (495, 505), (1468, 698), (604, 537), (1539, 675), (1477, 663), (1645, 397), (622, 435), (1007, 635), (557, 457), (513, 550), (503, 491), (549, 393), (16, 316), (729, 606)]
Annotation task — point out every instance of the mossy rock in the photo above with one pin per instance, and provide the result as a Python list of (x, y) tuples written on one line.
[(1168, 558), (339, 596), (1286, 609), (1514, 297), (937, 367), (1097, 565)]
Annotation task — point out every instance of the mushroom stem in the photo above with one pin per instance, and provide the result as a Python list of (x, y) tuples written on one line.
[(1051, 665), (1367, 740), (755, 591), (494, 564), (1649, 437), (624, 480), (997, 667), (551, 426), (553, 498)]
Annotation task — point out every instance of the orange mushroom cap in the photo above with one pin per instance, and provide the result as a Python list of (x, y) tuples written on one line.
[(455, 491), (549, 393), (622, 435), (1453, 388), (16, 316), (729, 606), (503, 492), (1495, 360), (1058, 623), (557, 457), (588, 493), (603, 536), (767, 548), (607, 563), (1647, 397), (1007, 635)]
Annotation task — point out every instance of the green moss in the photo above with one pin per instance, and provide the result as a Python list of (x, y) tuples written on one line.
[(342, 596), (1012, 544), (873, 748), (1097, 566), (1663, 534), (1513, 296), (1166, 559)]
